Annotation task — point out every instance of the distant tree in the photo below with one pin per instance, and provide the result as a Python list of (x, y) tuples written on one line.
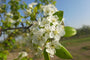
[(84, 30)]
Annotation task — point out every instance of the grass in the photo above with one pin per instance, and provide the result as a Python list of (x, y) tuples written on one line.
[(78, 47), (74, 42)]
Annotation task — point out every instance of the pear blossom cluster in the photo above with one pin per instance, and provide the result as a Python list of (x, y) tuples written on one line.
[(29, 11), (47, 30), (11, 20)]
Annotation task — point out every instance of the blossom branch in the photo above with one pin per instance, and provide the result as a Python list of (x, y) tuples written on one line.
[(16, 28)]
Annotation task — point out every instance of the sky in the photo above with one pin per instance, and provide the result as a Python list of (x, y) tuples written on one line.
[(76, 12)]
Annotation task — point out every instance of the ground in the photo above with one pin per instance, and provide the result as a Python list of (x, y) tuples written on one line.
[(78, 47)]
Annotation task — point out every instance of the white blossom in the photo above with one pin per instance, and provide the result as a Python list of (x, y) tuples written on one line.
[(50, 47), (10, 14), (53, 19), (24, 54), (28, 11), (46, 31), (11, 20), (49, 9), (32, 4)]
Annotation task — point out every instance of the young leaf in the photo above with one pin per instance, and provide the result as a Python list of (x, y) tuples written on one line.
[(69, 31), (46, 55), (63, 53), (59, 14)]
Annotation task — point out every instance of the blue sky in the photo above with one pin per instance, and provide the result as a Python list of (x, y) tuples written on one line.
[(76, 12)]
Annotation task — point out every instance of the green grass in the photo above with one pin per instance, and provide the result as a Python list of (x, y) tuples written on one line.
[(77, 41)]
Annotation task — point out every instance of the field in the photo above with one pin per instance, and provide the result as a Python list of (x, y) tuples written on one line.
[(78, 47)]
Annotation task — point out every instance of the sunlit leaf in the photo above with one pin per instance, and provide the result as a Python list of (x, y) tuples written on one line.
[(69, 31), (59, 14), (62, 52)]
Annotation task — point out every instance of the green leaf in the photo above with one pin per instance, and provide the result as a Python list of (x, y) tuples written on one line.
[(22, 6), (24, 58), (54, 2), (30, 59), (46, 55), (59, 14), (69, 31), (25, 4), (35, 10), (38, 6), (62, 52), (15, 17)]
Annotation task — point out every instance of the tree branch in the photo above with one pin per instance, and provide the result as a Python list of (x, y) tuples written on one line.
[(16, 28)]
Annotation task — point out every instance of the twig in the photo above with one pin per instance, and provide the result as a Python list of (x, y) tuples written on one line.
[(16, 28)]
